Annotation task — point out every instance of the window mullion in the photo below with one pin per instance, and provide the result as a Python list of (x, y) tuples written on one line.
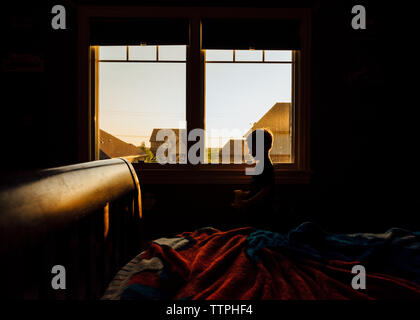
[(195, 79)]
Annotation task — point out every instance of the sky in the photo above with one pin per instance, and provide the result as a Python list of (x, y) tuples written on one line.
[(136, 97)]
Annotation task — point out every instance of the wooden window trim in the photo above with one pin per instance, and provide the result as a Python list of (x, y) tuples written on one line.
[(296, 172)]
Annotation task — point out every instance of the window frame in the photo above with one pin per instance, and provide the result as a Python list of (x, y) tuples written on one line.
[(296, 172), (293, 63), (128, 60)]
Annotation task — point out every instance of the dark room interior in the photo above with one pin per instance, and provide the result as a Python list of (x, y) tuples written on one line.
[(348, 170)]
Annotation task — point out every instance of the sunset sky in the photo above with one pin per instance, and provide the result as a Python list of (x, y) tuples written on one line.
[(135, 98)]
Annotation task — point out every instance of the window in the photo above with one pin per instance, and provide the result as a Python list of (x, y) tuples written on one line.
[(247, 90), (141, 89), (224, 76)]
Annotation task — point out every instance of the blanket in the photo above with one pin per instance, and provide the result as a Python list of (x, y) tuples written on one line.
[(247, 264)]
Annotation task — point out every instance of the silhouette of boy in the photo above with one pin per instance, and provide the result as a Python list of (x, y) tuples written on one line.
[(257, 201)]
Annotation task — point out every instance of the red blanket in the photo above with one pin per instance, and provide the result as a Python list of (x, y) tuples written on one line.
[(211, 264)]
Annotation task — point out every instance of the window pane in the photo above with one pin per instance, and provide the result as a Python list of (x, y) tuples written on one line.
[(113, 53), (244, 97), (173, 53), (142, 53), (248, 55), (131, 106), (281, 55), (219, 55)]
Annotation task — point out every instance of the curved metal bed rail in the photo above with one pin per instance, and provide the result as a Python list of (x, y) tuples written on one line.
[(85, 215)]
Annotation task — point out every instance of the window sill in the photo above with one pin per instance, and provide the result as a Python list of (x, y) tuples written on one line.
[(153, 173)]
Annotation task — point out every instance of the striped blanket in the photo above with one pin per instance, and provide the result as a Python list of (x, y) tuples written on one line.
[(306, 263)]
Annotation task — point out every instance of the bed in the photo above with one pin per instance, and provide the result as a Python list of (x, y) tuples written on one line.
[(248, 264)]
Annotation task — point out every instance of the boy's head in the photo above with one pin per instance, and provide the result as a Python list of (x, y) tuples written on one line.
[(253, 142)]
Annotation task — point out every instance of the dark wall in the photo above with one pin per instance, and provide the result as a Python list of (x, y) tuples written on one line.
[(359, 146), (39, 109), (357, 150)]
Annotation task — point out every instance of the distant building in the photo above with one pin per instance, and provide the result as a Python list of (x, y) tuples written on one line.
[(278, 120), (112, 147), (232, 148), (155, 144)]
